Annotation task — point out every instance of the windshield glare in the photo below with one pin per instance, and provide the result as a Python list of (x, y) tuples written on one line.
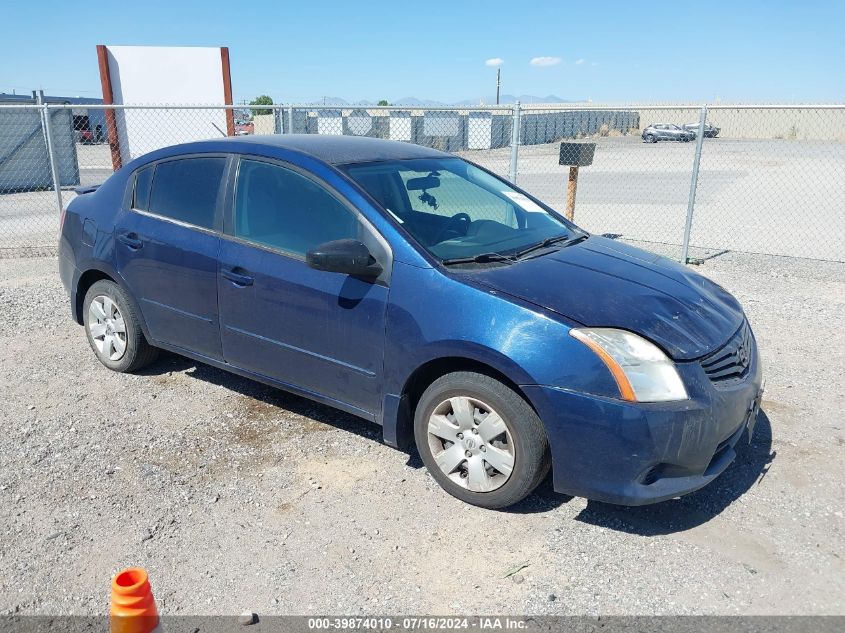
[(454, 209)]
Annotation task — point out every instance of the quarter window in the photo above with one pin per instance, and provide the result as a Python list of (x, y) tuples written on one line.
[(141, 195), (187, 189), (280, 208)]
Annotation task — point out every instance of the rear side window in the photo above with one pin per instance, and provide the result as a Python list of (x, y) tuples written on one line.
[(187, 190), (141, 196)]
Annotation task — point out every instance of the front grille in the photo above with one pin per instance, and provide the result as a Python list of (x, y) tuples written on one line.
[(733, 360)]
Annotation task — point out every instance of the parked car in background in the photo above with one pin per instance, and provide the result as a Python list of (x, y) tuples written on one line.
[(666, 132), (244, 128), (709, 130), (421, 292), (86, 136)]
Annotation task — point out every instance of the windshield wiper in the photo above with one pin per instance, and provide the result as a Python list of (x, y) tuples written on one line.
[(550, 241), (480, 259)]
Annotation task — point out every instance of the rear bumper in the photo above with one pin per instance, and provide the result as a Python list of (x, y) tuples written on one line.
[(68, 274), (635, 454)]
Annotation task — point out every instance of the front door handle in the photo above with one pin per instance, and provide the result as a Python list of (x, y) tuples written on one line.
[(237, 278), (131, 240)]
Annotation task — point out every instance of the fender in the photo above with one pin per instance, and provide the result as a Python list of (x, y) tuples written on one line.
[(397, 414), (107, 269)]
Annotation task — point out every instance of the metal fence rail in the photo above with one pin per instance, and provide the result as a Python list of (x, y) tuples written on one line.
[(764, 179)]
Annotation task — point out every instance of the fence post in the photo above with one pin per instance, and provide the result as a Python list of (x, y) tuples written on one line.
[(48, 135), (514, 143), (699, 142), (278, 121), (290, 120)]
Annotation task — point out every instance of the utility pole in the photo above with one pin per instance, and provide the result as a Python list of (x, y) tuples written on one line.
[(498, 83)]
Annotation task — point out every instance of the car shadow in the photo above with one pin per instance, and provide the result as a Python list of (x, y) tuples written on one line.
[(751, 465), (266, 394), (543, 499)]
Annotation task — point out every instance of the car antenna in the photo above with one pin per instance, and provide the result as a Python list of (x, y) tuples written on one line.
[(218, 129)]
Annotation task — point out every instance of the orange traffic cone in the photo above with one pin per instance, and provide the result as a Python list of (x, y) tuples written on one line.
[(133, 608)]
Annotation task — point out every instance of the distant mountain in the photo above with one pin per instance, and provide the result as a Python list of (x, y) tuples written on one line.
[(415, 102), (511, 99), (330, 101), (503, 99), (546, 99)]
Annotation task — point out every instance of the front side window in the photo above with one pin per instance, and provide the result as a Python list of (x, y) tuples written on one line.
[(187, 189), (456, 210), (280, 208)]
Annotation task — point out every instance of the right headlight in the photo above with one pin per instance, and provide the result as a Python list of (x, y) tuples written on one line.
[(642, 371)]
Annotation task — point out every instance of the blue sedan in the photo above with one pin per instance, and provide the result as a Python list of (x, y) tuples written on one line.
[(423, 293)]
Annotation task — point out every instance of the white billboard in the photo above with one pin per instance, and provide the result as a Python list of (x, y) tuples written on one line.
[(164, 75)]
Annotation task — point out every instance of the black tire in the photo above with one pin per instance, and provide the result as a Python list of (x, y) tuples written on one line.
[(138, 352), (530, 449), (650, 138)]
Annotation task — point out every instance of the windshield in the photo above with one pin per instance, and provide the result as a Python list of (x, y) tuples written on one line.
[(456, 210)]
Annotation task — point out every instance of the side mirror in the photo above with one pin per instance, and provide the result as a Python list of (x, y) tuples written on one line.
[(350, 257)]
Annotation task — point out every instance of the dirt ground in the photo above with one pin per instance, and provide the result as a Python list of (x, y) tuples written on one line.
[(239, 497)]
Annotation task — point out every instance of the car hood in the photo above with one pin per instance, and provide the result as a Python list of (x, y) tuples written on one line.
[(602, 283)]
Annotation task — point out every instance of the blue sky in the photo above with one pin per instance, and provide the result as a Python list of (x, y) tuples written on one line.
[(431, 49)]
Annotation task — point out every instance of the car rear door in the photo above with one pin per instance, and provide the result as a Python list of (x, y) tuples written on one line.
[(167, 246), (319, 331)]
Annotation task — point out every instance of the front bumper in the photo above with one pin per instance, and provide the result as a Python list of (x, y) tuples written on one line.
[(639, 453)]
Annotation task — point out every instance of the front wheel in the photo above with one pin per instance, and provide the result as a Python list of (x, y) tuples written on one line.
[(480, 440), (650, 138)]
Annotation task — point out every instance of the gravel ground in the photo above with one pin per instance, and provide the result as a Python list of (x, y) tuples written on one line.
[(239, 497)]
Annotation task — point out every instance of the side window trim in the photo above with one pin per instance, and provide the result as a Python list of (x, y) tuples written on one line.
[(220, 204), (385, 257)]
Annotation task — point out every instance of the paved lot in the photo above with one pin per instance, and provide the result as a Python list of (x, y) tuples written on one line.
[(777, 197), (236, 496), (31, 218)]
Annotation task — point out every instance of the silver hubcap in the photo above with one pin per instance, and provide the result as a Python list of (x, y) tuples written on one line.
[(471, 444), (107, 328)]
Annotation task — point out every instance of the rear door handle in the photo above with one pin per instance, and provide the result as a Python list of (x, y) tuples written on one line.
[(131, 240), (236, 277)]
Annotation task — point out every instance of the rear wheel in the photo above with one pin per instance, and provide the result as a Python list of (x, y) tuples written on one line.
[(113, 328), (480, 440)]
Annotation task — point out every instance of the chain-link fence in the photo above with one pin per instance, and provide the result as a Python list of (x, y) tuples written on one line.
[(763, 179)]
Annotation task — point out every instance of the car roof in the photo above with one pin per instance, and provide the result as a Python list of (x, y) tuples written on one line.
[(335, 150)]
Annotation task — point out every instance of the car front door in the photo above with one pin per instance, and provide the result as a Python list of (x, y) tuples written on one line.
[(319, 331), (166, 250)]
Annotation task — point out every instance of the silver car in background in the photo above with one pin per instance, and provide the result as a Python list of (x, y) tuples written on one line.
[(709, 130), (666, 132)]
